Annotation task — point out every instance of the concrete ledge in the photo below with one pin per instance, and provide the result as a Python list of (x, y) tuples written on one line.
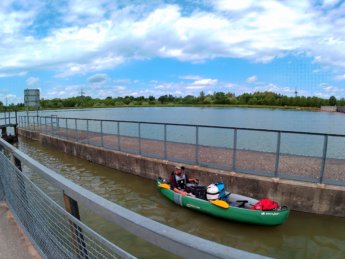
[(299, 196)]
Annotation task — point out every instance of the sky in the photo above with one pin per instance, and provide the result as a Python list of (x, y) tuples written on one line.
[(140, 48)]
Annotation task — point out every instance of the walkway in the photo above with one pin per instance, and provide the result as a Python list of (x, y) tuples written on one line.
[(13, 242)]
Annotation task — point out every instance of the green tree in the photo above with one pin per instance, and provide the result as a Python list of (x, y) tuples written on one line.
[(332, 101)]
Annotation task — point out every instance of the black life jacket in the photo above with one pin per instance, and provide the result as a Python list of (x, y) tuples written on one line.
[(180, 181)]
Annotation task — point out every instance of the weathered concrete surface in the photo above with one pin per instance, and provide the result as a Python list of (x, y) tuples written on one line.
[(299, 196), (13, 242)]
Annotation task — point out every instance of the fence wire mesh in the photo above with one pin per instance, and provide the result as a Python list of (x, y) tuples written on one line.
[(55, 233)]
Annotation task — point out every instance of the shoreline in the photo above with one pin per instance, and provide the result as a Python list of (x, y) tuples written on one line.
[(297, 108)]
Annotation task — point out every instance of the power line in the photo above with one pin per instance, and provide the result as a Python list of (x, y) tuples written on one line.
[(82, 92)]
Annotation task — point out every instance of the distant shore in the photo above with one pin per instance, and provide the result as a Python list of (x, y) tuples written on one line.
[(184, 105)]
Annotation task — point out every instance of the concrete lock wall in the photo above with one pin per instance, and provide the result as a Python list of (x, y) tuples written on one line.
[(299, 196)]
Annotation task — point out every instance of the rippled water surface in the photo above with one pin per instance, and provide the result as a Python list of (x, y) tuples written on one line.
[(303, 235), (274, 119)]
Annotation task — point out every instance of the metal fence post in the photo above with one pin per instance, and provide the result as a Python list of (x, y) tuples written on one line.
[(234, 150), (165, 142), (87, 132), (45, 123), (277, 155), (27, 118), (22, 190), (118, 136), (139, 135), (58, 126), (75, 130), (71, 207), (52, 125), (197, 145), (324, 157), (66, 131), (102, 143)]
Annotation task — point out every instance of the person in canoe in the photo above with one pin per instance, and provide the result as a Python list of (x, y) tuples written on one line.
[(178, 180)]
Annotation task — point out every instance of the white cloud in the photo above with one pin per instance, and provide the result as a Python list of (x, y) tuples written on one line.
[(91, 36), (251, 79), (190, 77), (232, 5), (195, 87), (339, 77), (119, 88), (328, 3), (32, 80), (205, 82)]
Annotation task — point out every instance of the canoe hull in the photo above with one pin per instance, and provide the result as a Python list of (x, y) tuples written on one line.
[(268, 218)]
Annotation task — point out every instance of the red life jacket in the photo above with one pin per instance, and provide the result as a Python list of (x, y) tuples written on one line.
[(265, 204)]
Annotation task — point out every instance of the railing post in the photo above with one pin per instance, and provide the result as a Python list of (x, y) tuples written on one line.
[(118, 136), (234, 150), (45, 123), (139, 135), (165, 142), (197, 145), (87, 131), (22, 191), (324, 157), (75, 130), (18, 163), (66, 127), (58, 126), (51, 125), (102, 143), (37, 116), (27, 118), (72, 208), (277, 155)]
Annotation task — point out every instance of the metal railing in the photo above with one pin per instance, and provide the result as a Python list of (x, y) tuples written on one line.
[(305, 156), (8, 118), (58, 234)]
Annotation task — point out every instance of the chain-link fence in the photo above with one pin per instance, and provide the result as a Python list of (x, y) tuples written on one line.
[(57, 234), (304, 156)]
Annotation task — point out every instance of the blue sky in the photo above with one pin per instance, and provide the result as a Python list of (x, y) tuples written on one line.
[(118, 48)]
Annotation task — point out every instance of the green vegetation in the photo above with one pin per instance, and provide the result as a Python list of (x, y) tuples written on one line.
[(257, 99)]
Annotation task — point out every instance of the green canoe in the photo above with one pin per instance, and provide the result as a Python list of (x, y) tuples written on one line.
[(237, 211)]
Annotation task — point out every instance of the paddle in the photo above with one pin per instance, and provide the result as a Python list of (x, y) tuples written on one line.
[(220, 203), (164, 186)]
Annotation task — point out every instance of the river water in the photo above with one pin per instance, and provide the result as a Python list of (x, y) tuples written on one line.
[(274, 119), (303, 235)]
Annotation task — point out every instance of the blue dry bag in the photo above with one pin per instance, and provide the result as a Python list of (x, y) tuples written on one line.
[(221, 189)]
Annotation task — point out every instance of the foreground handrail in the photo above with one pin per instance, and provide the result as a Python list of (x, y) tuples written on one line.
[(166, 237)]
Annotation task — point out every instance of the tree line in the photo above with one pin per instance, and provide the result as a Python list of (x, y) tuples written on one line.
[(217, 98)]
